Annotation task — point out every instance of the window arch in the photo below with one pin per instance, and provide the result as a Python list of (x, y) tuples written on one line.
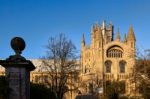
[(115, 52), (108, 66), (122, 66)]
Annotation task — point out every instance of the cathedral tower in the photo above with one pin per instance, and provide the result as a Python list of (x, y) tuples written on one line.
[(107, 59)]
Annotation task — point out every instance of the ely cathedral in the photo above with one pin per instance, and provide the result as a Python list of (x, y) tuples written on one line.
[(107, 58)]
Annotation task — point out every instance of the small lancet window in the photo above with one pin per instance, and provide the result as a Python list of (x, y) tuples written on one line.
[(122, 66), (108, 66)]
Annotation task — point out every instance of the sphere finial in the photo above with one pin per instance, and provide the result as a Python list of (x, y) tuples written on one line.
[(18, 45)]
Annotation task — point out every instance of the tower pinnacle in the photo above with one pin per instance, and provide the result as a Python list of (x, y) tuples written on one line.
[(103, 24), (118, 36), (131, 36), (125, 38), (83, 40)]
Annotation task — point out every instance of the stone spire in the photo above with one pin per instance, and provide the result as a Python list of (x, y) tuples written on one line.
[(131, 36), (103, 28), (118, 36), (83, 40), (103, 24), (125, 38)]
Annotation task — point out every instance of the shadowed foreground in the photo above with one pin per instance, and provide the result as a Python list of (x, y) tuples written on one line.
[(86, 97)]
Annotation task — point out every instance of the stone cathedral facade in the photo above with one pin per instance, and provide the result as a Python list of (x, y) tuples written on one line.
[(107, 58)]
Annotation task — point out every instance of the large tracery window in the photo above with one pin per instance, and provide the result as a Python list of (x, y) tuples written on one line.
[(115, 52), (108, 66), (122, 66)]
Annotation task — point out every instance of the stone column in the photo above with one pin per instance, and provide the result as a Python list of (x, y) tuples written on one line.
[(17, 70)]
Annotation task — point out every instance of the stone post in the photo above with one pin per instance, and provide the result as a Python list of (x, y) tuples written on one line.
[(17, 71)]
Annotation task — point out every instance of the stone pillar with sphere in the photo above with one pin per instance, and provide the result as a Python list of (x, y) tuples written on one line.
[(17, 71)]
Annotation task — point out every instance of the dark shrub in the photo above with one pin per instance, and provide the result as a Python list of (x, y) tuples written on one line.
[(38, 91)]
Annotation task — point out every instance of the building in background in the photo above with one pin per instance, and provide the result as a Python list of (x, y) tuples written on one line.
[(107, 59)]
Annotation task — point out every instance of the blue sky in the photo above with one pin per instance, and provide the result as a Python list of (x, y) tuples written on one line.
[(37, 20)]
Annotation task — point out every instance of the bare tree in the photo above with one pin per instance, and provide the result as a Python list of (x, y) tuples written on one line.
[(61, 61), (141, 74)]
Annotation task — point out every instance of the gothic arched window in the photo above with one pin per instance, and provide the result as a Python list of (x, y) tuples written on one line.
[(108, 66), (115, 52), (122, 66)]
